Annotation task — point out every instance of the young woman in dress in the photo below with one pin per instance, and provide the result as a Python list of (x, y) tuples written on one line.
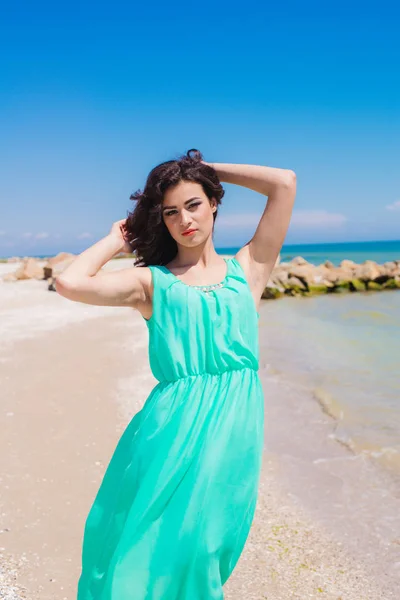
[(175, 507)]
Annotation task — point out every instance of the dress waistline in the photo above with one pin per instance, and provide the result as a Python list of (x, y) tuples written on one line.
[(216, 374)]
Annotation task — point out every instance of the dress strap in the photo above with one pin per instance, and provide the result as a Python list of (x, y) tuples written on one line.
[(238, 269), (160, 284), (238, 273)]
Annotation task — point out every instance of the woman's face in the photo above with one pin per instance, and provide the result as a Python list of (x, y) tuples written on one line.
[(185, 207)]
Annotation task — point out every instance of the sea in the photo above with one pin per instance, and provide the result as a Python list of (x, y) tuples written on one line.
[(345, 349)]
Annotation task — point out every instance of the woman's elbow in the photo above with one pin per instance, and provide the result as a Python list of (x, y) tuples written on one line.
[(290, 177), (66, 288)]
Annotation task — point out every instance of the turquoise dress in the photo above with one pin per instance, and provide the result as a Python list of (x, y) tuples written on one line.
[(177, 500)]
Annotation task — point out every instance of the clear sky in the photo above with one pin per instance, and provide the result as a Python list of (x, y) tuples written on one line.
[(94, 94)]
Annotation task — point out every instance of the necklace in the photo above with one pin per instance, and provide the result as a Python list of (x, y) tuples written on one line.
[(208, 288)]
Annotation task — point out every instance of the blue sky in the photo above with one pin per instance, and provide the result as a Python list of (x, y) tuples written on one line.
[(94, 95)]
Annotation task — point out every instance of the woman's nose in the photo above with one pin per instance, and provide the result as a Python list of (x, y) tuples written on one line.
[(185, 219)]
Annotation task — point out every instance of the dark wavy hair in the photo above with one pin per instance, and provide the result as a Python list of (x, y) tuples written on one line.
[(148, 235)]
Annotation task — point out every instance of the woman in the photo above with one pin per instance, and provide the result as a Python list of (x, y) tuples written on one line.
[(176, 503)]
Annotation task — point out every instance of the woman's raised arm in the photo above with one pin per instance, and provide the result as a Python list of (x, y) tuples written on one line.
[(82, 280), (259, 255)]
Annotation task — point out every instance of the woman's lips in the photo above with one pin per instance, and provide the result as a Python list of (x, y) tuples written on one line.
[(190, 232)]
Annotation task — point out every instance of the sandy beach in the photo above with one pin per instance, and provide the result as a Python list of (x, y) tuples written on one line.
[(72, 376)]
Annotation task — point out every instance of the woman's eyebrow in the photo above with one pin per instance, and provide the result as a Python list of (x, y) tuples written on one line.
[(186, 202)]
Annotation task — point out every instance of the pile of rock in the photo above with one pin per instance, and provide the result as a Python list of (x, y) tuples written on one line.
[(301, 278), (33, 268), (295, 278), (49, 269)]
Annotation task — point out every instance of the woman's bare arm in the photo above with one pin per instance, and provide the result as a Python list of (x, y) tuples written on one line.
[(125, 287), (259, 255), (82, 280)]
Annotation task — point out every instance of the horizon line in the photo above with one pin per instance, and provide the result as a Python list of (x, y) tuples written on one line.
[(223, 248)]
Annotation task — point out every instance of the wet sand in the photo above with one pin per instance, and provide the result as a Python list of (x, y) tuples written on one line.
[(72, 376)]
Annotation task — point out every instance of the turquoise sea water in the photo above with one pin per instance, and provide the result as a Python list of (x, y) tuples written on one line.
[(316, 254), (345, 349)]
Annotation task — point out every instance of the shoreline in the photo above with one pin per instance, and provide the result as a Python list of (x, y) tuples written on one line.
[(341, 350), (342, 491), (62, 418)]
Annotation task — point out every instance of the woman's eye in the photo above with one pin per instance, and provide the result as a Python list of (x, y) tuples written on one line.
[(171, 212)]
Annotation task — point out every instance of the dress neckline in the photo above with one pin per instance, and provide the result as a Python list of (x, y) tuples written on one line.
[(209, 285)]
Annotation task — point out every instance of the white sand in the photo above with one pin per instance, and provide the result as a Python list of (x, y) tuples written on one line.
[(28, 308)]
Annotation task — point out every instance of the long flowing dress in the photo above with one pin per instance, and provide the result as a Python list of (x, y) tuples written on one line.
[(177, 500)]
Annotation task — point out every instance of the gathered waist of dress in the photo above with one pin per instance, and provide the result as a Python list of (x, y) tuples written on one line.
[(211, 374)]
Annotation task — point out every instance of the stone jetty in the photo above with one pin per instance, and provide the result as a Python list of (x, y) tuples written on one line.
[(295, 278), (301, 278)]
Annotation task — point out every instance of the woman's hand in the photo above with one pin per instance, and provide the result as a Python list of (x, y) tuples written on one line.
[(119, 231)]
